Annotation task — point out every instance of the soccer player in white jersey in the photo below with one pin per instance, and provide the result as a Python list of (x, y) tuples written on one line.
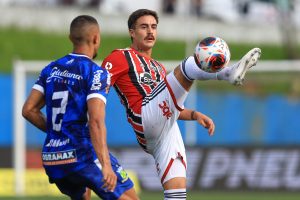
[(154, 101), (74, 90)]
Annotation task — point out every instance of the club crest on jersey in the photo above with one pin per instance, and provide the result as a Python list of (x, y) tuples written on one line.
[(164, 106), (59, 157), (146, 78)]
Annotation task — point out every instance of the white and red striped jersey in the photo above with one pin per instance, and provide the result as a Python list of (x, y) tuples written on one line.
[(134, 76)]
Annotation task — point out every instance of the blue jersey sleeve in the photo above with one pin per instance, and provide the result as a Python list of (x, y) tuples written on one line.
[(40, 84), (98, 84)]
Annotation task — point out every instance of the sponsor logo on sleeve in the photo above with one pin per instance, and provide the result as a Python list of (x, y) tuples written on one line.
[(97, 80), (108, 66)]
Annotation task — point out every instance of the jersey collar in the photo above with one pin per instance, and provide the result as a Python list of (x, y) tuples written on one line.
[(78, 55), (137, 52)]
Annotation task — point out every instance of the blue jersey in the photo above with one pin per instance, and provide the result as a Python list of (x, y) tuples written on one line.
[(67, 84)]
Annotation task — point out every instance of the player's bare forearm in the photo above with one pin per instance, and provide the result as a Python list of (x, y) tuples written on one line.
[(37, 118), (186, 114), (201, 118), (32, 110), (98, 139), (96, 111)]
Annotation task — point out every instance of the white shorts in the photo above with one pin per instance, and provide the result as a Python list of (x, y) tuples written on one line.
[(160, 112)]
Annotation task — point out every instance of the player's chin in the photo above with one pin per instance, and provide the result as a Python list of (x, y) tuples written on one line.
[(150, 43)]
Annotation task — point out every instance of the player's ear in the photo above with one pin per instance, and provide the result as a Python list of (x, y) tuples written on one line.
[(131, 32), (96, 39)]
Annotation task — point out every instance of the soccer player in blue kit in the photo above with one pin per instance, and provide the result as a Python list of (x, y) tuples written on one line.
[(74, 90)]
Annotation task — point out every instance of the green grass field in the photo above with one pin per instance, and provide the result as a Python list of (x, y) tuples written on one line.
[(209, 195)]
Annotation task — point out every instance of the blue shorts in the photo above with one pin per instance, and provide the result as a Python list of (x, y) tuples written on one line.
[(74, 185)]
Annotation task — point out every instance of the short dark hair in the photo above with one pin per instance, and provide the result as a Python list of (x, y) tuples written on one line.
[(79, 25), (82, 20), (139, 13)]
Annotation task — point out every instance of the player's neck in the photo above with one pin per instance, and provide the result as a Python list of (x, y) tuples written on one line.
[(84, 51), (143, 52)]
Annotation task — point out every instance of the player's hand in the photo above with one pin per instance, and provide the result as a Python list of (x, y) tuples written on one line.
[(206, 122), (109, 178)]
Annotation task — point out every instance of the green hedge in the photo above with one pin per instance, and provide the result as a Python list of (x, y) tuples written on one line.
[(36, 45)]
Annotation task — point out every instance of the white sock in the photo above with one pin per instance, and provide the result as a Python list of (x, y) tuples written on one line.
[(175, 194), (191, 71)]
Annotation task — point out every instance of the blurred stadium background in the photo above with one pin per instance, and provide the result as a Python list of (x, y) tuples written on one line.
[(255, 153)]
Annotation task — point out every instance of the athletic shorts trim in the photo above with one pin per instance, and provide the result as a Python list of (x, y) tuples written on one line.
[(170, 165)]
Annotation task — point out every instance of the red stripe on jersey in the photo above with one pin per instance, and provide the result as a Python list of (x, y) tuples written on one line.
[(136, 126), (134, 75), (141, 140)]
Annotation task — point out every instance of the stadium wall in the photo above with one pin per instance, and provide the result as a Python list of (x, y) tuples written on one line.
[(215, 168), (240, 120)]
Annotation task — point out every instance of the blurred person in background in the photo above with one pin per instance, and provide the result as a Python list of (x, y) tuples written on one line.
[(169, 6), (74, 90), (196, 7), (81, 3), (154, 101)]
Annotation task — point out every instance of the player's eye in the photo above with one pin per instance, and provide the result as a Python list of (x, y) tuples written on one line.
[(143, 26), (154, 26)]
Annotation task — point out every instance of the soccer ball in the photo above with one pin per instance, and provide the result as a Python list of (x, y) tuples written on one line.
[(212, 54)]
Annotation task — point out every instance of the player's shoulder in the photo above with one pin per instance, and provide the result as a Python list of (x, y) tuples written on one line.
[(116, 56), (96, 67), (122, 50), (119, 52)]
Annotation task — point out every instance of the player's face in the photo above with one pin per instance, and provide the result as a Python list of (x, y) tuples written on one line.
[(144, 33)]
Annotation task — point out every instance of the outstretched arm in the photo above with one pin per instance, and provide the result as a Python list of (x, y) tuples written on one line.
[(32, 110), (202, 119), (96, 111)]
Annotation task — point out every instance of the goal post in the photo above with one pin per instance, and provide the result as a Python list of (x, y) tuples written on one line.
[(21, 68), (19, 127)]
